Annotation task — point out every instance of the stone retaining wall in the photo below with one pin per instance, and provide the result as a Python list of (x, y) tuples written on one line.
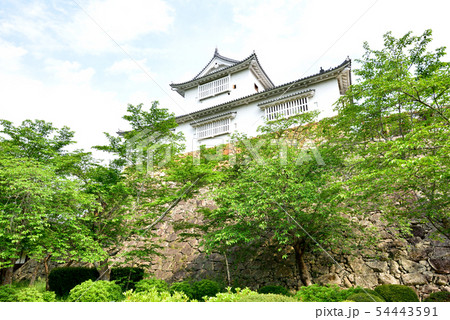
[(418, 261)]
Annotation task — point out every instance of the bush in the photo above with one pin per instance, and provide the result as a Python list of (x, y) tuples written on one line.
[(49, 296), (397, 293), (29, 295), (127, 277), (269, 297), (183, 287), (155, 296), (274, 290), (232, 295), (364, 297), (316, 293), (98, 291), (148, 284), (440, 296), (62, 280), (205, 288), (8, 294)]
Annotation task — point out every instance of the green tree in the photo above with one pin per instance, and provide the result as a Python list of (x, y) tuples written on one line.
[(131, 190), (394, 122), (278, 190), (38, 214)]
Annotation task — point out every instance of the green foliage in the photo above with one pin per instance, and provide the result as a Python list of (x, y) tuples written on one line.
[(231, 296), (8, 293), (150, 284), (316, 293), (270, 297), (184, 287), (98, 291), (153, 295), (364, 297), (205, 288), (62, 280), (49, 296), (397, 293), (29, 295), (394, 124), (440, 296), (127, 277), (274, 290)]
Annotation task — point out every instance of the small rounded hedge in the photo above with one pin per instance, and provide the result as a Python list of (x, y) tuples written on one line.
[(440, 296), (127, 277), (316, 293), (269, 297), (205, 288), (25, 294), (62, 280), (397, 293), (274, 290), (183, 287), (364, 297), (29, 295), (98, 291), (8, 293), (154, 296), (152, 283)]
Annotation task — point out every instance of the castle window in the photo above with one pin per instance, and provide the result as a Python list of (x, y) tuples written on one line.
[(214, 128), (214, 87), (287, 109)]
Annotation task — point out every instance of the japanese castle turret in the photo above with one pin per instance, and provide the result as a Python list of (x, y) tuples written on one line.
[(229, 96)]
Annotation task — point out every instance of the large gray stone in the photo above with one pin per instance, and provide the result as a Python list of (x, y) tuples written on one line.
[(386, 278), (412, 279), (377, 266)]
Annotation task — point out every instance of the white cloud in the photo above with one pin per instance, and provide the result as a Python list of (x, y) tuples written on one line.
[(69, 72), (137, 71), (123, 21), (11, 56)]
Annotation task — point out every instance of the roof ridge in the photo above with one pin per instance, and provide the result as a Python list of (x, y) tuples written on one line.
[(218, 55)]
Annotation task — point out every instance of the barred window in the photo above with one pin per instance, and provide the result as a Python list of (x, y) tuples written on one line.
[(213, 128), (286, 109), (214, 87)]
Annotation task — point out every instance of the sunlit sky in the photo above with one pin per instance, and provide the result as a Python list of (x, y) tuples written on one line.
[(80, 62)]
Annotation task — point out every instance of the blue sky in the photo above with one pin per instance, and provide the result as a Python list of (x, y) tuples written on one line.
[(80, 62)]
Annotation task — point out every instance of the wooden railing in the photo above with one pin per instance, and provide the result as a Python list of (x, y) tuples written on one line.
[(214, 87)]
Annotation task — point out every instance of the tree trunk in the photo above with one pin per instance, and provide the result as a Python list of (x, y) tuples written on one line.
[(9, 274), (47, 287), (299, 248), (34, 275), (104, 270)]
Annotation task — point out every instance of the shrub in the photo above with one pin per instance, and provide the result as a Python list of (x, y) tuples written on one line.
[(232, 295), (440, 296), (127, 277), (269, 297), (153, 295), (205, 288), (62, 280), (29, 295), (364, 297), (184, 287), (274, 290), (316, 293), (49, 296), (149, 284), (8, 294), (98, 291), (397, 293)]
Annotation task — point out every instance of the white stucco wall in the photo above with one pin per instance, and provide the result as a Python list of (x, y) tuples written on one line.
[(250, 116)]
